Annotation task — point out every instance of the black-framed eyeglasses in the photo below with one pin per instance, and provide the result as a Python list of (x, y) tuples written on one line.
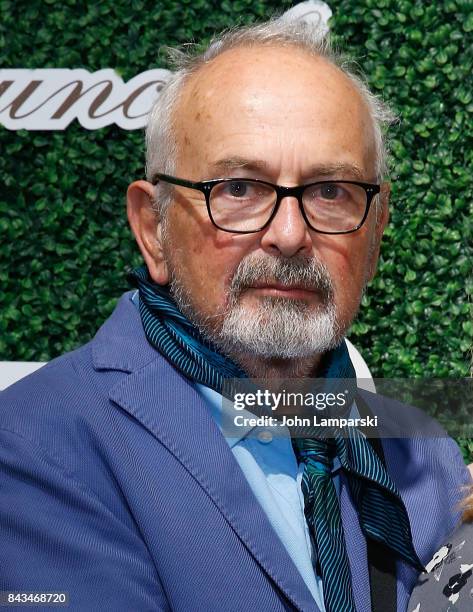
[(245, 206)]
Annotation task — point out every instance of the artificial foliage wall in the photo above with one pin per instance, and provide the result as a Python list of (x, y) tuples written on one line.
[(65, 246)]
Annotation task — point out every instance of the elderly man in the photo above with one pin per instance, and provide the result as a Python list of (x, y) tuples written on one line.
[(260, 225)]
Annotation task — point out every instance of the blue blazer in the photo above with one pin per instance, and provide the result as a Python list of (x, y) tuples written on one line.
[(117, 487)]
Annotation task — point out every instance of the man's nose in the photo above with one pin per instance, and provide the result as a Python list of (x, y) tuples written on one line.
[(288, 234)]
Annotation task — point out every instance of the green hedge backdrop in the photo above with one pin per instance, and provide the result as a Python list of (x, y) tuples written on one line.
[(65, 245)]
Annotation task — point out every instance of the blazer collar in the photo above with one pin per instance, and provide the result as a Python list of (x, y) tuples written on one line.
[(120, 343)]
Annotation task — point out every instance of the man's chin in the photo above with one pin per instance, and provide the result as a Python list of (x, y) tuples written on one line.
[(278, 329)]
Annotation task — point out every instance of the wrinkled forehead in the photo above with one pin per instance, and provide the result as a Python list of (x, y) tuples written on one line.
[(271, 95)]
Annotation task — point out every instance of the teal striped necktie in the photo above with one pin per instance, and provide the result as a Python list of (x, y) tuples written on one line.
[(381, 511), (325, 524)]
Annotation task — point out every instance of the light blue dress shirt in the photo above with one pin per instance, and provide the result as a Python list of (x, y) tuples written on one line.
[(270, 467)]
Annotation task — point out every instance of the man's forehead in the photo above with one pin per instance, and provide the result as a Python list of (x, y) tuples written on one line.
[(252, 95)]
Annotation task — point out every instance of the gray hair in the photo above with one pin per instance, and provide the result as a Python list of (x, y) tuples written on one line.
[(161, 148)]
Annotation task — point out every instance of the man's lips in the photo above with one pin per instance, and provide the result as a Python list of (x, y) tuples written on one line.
[(281, 290)]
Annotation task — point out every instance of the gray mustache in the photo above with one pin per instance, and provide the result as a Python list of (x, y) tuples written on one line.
[(308, 273)]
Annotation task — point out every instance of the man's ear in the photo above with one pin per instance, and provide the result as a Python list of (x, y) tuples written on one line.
[(382, 218), (146, 225)]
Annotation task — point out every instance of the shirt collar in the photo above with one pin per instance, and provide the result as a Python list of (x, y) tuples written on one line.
[(218, 409)]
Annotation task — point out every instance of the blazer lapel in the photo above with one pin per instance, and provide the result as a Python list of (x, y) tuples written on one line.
[(166, 404)]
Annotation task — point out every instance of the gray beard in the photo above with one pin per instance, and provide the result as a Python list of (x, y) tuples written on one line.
[(277, 327)]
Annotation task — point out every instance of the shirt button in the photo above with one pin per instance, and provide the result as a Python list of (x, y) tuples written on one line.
[(265, 437)]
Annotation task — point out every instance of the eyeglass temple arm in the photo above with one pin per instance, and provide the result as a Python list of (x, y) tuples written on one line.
[(175, 181)]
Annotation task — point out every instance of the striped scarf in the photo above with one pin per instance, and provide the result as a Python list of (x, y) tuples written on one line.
[(381, 511)]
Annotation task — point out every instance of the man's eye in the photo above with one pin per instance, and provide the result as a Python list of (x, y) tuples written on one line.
[(327, 192), (330, 191), (237, 189)]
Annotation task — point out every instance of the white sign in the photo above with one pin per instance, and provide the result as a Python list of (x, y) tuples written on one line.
[(51, 98)]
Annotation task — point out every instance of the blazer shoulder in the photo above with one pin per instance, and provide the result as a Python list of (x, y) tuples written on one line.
[(67, 386), (53, 398)]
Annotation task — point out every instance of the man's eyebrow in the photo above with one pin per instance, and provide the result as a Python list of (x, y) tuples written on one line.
[(236, 163), (339, 169)]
